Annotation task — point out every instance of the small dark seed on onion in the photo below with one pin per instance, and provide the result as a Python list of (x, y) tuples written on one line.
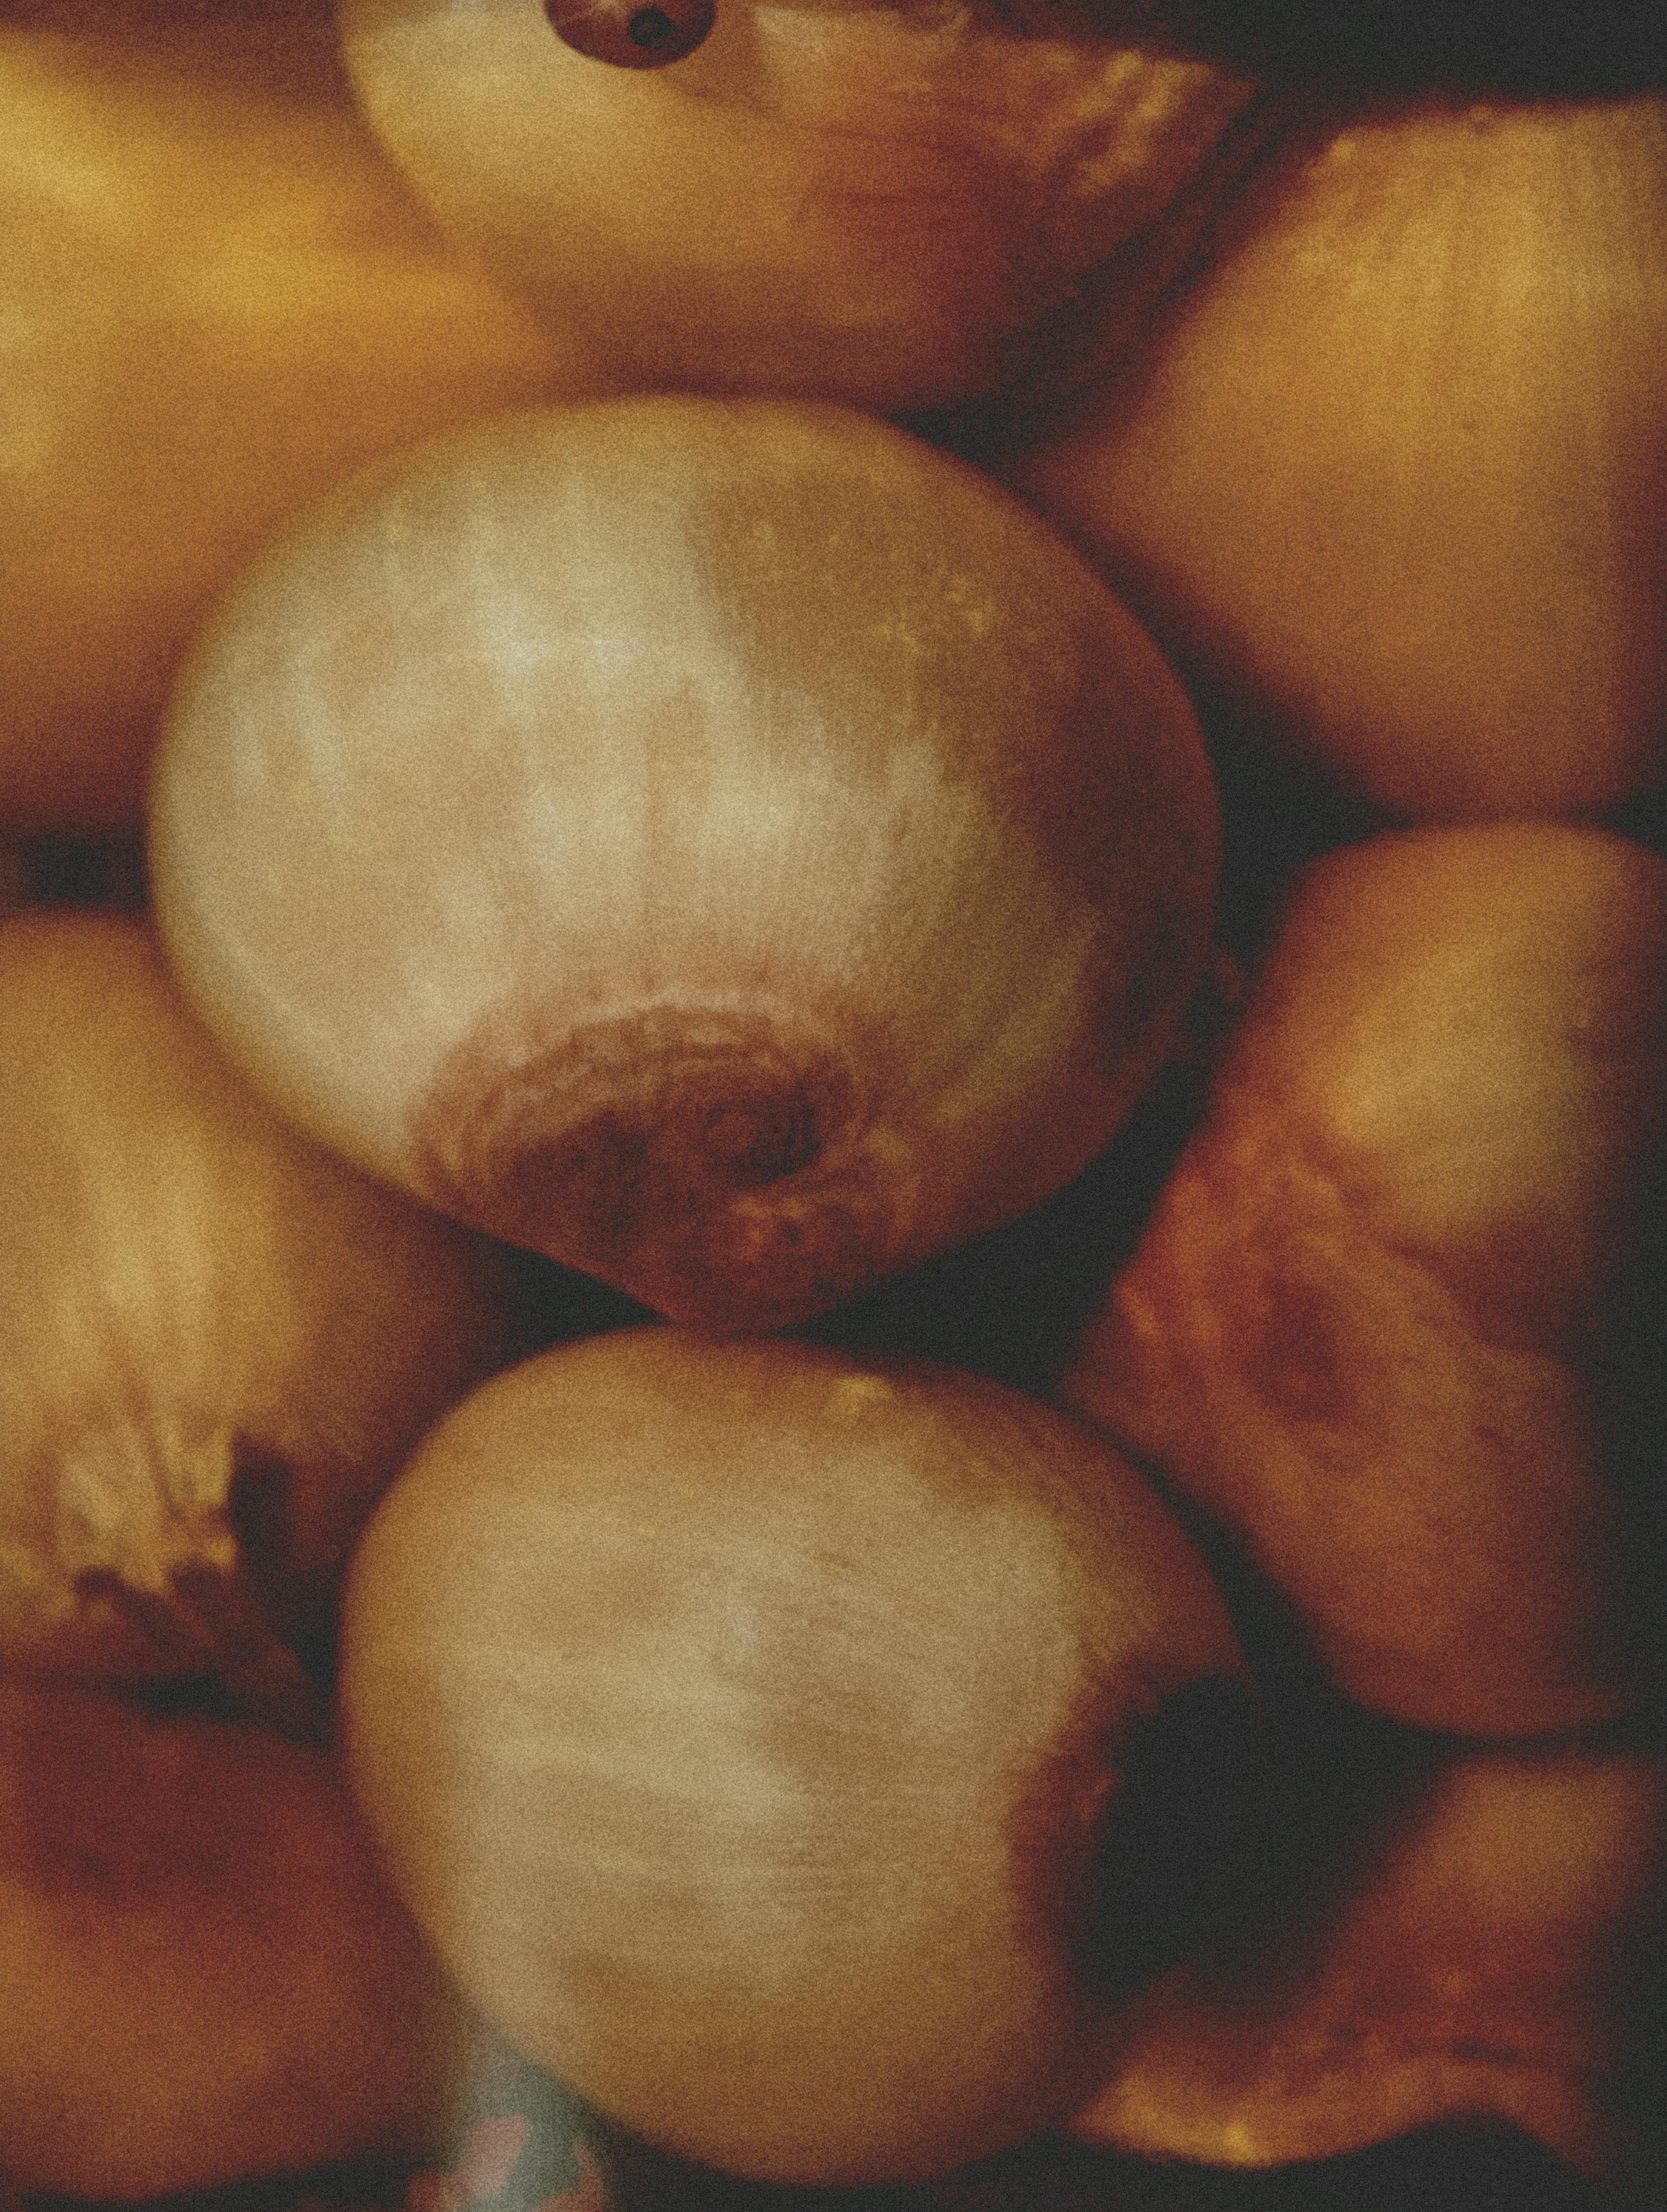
[(631, 33)]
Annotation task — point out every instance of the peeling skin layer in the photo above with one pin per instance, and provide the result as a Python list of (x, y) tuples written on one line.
[(713, 1163), (911, 198)]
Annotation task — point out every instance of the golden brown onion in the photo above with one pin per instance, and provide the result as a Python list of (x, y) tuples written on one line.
[(744, 1725), (215, 1342), (727, 847), (216, 299), (1359, 1326), (897, 206), (1478, 1961), (1392, 473)]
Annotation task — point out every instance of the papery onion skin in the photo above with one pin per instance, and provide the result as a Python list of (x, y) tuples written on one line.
[(919, 205), (1391, 474), (1361, 1326), (211, 1333), (741, 1723), (203, 1977), (1477, 1961), (727, 847), (216, 299)]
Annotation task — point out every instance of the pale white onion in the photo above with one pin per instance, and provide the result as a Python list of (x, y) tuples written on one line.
[(730, 848)]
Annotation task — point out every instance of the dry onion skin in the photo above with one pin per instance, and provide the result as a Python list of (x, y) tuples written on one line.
[(742, 1724), (1359, 1326), (893, 206), (727, 847), (217, 1343), (1478, 1961), (217, 298), (203, 1978), (1391, 473)]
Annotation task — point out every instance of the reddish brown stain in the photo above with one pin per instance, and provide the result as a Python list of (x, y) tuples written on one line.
[(707, 1161)]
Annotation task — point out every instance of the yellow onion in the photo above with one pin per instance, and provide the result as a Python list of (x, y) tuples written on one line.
[(1360, 1328), (217, 1343), (727, 847), (216, 298), (897, 206), (1476, 1961), (745, 1727), (1393, 473), (203, 1977)]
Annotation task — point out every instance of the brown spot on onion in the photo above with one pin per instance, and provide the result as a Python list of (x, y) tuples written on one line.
[(742, 1725), (728, 846), (635, 34)]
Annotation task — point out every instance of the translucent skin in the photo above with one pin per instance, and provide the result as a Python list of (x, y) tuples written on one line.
[(894, 206), (214, 1338)]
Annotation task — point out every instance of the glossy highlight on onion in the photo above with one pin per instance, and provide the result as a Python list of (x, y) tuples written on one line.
[(745, 1727), (727, 848)]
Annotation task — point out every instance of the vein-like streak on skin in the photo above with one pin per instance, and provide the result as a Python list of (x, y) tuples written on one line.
[(196, 1306), (876, 205), (1390, 472)]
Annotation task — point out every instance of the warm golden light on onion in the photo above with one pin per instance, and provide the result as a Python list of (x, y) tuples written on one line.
[(217, 298), (215, 1342), (1360, 1325), (897, 206), (1394, 472), (745, 1726), (728, 847)]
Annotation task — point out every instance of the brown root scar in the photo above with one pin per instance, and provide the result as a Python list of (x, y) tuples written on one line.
[(721, 1164)]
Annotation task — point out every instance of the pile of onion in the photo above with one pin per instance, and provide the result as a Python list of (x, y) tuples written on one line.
[(728, 846), (216, 1344)]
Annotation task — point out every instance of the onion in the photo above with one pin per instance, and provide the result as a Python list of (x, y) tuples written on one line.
[(1390, 475), (745, 1726), (202, 1978), (897, 206), (216, 1343), (1477, 1961), (1360, 1325), (216, 300), (728, 847)]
